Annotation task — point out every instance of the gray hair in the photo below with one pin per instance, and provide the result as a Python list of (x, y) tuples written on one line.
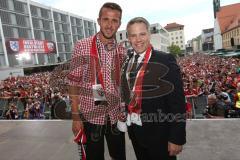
[(139, 20)]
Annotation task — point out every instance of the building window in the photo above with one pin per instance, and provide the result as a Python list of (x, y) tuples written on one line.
[(3, 4), (79, 22), (74, 30), (40, 23), (120, 36), (21, 21), (176, 37), (49, 36), (66, 38), (180, 37), (7, 31), (63, 18), (172, 38), (60, 48), (60, 27), (39, 34), (18, 6), (80, 31), (38, 12), (44, 13), (65, 28), (56, 16), (73, 21), (5, 17), (68, 48), (33, 10), (90, 24), (46, 24)]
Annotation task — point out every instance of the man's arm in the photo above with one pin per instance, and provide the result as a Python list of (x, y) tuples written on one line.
[(74, 78), (177, 107), (77, 123)]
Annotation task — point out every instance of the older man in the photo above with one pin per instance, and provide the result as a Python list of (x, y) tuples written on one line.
[(153, 92)]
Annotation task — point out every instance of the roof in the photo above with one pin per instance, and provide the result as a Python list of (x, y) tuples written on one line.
[(173, 26), (226, 15), (234, 24)]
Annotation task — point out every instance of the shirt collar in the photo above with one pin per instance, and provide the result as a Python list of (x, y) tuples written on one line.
[(101, 43), (140, 55)]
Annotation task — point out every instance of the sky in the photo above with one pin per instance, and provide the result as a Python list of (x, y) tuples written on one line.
[(195, 15)]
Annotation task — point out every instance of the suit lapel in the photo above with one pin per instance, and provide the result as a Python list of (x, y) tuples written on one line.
[(125, 65), (124, 83)]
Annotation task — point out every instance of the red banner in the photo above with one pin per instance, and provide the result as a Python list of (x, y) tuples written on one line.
[(30, 45)]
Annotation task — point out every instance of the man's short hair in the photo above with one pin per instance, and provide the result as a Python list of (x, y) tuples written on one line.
[(139, 20), (110, 5)]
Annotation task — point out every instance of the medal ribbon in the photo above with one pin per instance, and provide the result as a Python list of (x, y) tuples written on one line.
[(95, 56)]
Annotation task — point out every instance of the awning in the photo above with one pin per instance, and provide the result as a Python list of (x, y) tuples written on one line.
[(231, 54)]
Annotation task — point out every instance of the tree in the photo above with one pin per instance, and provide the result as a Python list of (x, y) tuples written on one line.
[(175, 50)]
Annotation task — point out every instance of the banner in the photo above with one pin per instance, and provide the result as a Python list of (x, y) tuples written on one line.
[(30, 46)]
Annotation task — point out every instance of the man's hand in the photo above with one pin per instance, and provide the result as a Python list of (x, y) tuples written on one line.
[(77, 126), (122, 117), (174, 149)]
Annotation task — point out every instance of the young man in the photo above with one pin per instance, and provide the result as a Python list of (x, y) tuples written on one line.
[(153, 92), (94, 87)]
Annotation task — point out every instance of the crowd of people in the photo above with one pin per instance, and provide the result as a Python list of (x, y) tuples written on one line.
[(28, 97), (215, 77)]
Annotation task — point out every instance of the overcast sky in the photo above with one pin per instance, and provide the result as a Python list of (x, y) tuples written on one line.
[(194, 14)]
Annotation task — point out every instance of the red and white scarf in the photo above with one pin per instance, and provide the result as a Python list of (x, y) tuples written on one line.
[(135, 105)]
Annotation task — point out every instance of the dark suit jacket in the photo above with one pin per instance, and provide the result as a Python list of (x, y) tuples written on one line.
[(163, 100)]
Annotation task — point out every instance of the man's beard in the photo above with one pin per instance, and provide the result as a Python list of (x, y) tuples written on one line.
[(111, 45), (105, 36)]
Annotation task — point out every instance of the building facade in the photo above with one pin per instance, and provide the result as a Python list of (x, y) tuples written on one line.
[(122, 37), (25, 19), (176, 32), (159, 37), (189, 47), (194, 46), (197, 44), (231, 38), (226, 22), (207, 39)]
